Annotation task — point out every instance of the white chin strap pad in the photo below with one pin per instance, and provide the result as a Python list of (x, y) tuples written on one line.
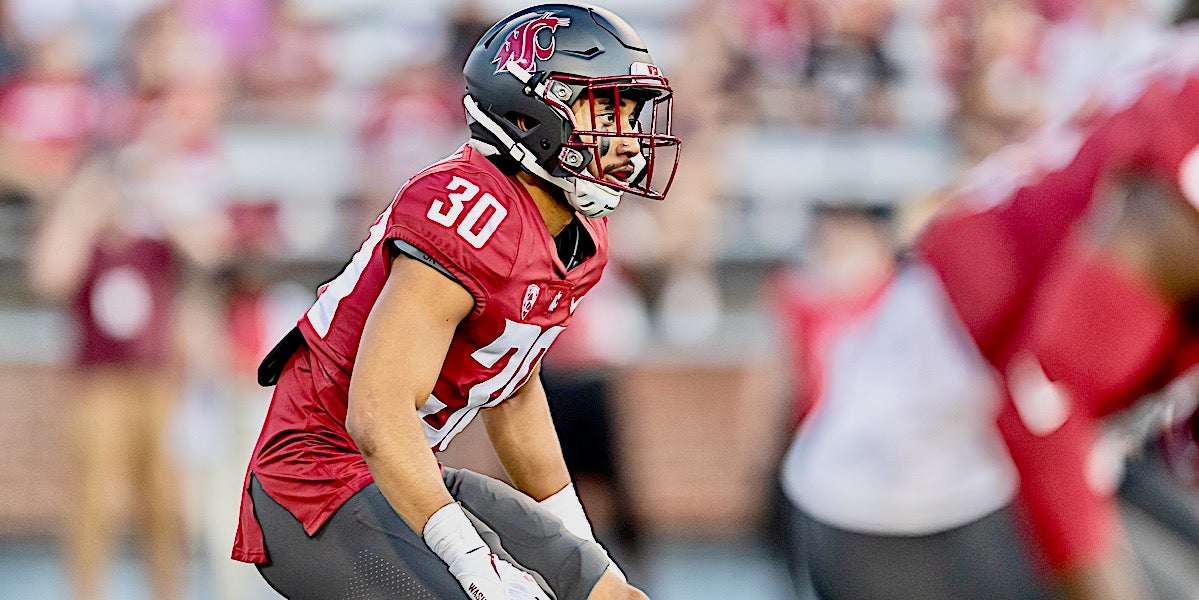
[(591, 199)]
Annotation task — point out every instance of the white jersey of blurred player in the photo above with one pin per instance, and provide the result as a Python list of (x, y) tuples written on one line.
[(903, 441), (1010, 286)]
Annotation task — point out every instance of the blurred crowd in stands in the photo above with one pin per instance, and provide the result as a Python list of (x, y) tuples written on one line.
[(245, 146), (291, 121)]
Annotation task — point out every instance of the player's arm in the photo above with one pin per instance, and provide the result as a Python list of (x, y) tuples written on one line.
[(1075, 527), (64, 242), (404, 343), (522, 432)]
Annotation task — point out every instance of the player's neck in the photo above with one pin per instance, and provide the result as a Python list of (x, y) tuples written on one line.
[(553, 210)]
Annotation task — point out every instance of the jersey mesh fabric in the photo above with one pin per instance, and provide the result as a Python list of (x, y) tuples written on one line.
[(376, 577)]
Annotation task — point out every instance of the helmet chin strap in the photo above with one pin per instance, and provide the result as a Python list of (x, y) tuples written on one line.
[(587, 197)]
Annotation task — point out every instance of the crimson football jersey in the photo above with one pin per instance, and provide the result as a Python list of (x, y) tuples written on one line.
[(486, 231)]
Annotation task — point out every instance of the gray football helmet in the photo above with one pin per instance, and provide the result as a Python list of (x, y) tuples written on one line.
[(534, 65)]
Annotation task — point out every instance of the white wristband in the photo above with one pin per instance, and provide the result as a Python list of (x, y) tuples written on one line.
[(566, 506), (450, 534)]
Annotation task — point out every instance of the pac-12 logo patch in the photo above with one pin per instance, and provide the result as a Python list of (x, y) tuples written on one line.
[(521, 45), (531, 294)]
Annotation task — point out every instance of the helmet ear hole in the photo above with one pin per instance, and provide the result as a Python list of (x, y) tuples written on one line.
[(522, 122)]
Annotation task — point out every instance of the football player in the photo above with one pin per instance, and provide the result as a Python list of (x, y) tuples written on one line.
[(1060, 287), (443, 315), (1080, 287)]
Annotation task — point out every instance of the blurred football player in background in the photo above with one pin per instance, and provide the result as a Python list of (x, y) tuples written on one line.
[(444, 314), (1059, 288)]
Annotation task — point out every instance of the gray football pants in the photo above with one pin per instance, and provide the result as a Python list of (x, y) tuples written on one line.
[(367, 552), (981, 560)]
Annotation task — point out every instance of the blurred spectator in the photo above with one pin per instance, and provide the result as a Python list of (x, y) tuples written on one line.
[(49, 117), (119, 283), (809, 62), (769, 40), (847, 263), (990, 54), (118, 244), (848, 74), (290, 77), (413, 120), (850, 260)]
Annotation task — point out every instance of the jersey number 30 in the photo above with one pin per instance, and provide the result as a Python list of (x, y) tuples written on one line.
[(449, 212)]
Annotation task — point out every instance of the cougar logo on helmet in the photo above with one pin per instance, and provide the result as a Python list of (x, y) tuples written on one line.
[(521, 45)]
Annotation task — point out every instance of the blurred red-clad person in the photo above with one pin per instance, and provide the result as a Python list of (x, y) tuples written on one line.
[(852, 261), (412, 119), (49, 116), (119, 285), (117, 246), (1081, 317), (1057, 289)]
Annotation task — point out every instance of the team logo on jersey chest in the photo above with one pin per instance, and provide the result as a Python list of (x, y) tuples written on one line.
[(531, 294)]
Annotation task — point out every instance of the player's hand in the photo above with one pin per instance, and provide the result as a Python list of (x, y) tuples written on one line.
[(486, 576), (482, 574), (519, 584)]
